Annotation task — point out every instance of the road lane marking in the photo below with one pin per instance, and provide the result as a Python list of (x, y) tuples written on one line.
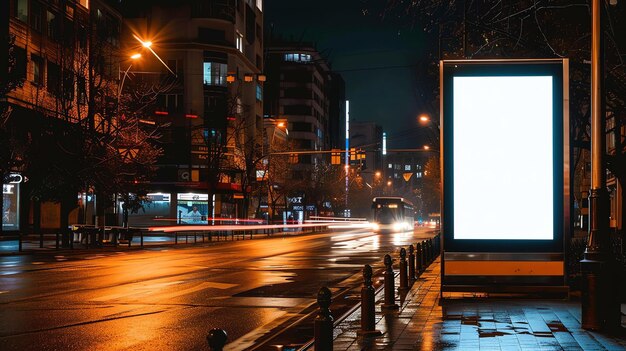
[(135, 289), (155, 291)]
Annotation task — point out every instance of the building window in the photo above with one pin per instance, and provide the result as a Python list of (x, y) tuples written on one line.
[(36, 17), (259, 92), (21, 10), (211, 36), (52, 25), (215, 73), (81, 37), (407, 167), (295, 57), (239, 41), (301, 127), (297, 110), (38, 77), (390, 166), (20, 62), (53, 78)]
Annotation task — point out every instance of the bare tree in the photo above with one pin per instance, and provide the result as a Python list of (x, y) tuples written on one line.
[(527, 28), (12, 151)]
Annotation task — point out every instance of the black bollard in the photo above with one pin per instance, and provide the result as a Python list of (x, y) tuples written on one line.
[(404, 281), (368, 305), (419, 258), (216, 339), (323, 325), (429, 253), (411, 263), (390, 294)]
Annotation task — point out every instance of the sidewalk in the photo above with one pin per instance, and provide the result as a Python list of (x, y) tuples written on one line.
[(474, 324)]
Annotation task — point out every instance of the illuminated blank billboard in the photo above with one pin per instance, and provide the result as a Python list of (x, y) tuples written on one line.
[(505, 170), (503, 157)]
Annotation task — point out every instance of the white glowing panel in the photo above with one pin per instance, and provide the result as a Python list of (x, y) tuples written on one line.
[(503, 158)]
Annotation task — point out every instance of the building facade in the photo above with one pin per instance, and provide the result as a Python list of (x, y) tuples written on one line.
[(63, 58), (302, 89), (214, 52), (368, 137)]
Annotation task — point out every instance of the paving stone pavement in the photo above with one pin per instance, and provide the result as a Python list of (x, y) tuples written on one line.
[(476, 323)]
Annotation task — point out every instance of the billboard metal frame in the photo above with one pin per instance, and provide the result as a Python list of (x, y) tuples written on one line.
[(507, 265)]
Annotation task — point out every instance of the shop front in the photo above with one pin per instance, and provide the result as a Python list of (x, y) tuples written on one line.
[(11, 202)]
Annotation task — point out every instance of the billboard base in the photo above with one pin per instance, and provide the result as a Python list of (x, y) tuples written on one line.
[(507, 273)]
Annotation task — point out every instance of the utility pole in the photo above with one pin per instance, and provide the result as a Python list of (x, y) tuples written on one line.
[(597, 295), (347, 159)]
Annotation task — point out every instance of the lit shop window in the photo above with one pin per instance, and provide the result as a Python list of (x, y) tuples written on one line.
[(11, 203), (192, 208)]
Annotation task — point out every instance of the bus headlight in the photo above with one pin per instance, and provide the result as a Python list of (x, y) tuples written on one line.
[(375, 227), (398, 226)]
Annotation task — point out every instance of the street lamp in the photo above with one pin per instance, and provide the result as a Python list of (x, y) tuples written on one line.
[(148, 45), (133, 58)]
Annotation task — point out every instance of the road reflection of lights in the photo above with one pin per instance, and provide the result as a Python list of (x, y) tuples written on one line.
[(10, 272), (375, 242), (401, 238), (342, 237), (351, 225)]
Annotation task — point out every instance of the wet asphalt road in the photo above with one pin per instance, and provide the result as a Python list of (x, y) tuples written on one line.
[(169, 298)]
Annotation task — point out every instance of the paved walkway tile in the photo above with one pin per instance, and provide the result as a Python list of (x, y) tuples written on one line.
[(476, 323)]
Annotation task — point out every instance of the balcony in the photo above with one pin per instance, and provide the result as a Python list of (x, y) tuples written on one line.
[(219, 9)]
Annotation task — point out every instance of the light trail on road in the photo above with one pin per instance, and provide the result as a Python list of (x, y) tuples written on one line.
[(170, 298)]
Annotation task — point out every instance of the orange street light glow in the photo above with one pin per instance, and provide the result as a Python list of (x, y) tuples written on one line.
[(426, 147), (281, 124), (135, 56), (148, 45), (424, 118)]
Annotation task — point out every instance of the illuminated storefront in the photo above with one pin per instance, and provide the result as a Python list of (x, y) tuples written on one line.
[(192, 208), (11, 203)]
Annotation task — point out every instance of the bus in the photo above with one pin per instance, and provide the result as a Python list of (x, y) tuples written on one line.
[(392, 214)]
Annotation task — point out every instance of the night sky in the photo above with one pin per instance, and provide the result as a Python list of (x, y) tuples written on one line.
[(377, 57)]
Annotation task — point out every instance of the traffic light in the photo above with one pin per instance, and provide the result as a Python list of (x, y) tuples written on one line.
[(335, 157)]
